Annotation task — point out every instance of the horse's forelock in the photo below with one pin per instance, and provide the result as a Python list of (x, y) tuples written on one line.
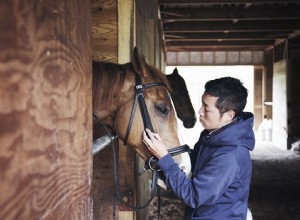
[(158, 75)]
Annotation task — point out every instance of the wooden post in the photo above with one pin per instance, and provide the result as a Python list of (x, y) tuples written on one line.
[(45, 110), (126, 36)]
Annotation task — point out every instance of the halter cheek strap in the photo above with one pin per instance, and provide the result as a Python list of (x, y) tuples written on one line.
[(139, 97)]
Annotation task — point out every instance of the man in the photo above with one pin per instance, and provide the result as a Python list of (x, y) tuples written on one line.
[(221, 163)]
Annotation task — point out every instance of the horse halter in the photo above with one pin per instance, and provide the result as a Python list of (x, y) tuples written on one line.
[(151, 163), (139, 97)]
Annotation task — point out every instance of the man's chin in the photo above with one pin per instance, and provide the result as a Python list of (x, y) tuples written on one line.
[(203, 124)]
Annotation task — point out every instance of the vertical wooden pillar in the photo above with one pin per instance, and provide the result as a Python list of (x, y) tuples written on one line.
[(126, 40), (258, 96), (268, 82), (45, 110), (293, 101), (104, 49), (280, 129), (126, 32)]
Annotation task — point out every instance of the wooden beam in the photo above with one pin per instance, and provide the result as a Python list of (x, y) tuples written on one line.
[(216, 48), (192, 58), (227, 26), (197, 2), (221, 43), (274, 12), (207, 36)]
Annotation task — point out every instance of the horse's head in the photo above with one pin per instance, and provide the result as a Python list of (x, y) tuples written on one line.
[(158, 104), (181, 100), (114, 92)]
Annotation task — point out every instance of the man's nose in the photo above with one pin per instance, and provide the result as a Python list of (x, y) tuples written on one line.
[(200, 112)]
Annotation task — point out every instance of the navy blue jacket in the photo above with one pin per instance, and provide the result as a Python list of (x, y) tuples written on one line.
[(221, 173)]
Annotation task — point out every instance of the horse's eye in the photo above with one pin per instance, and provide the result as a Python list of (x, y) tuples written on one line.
[(162, 109)]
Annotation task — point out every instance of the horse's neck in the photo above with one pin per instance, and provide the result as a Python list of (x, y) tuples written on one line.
[(105, 117), (102, 126), (107, 113)]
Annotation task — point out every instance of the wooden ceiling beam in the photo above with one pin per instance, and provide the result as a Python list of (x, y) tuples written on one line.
[(221, 43), (215, 48), (207, 36), (227, 26), (231, 13), (197, 2)]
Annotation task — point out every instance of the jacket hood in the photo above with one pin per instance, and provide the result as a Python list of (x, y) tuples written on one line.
[(238, 133)]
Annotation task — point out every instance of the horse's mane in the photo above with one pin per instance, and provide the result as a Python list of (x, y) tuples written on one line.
[(108, 79)]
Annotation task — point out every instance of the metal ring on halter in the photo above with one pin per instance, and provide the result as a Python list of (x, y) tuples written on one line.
[(154, 162)]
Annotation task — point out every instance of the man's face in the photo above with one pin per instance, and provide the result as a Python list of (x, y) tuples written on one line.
[(209, 115)]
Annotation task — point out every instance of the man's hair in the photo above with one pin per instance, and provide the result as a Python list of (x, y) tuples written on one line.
[(231, 93)]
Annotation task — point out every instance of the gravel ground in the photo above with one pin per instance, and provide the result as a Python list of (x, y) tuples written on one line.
[(274, 193)]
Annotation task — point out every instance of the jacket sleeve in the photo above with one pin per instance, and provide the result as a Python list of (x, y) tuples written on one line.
[(207, 185)]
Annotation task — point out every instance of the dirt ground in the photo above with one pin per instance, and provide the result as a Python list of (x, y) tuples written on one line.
[(275, 187)]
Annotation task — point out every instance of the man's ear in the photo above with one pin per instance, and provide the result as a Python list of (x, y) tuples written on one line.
[(230, 115)]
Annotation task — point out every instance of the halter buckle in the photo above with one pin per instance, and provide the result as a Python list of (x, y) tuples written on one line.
[(138, 86), (152, 163)]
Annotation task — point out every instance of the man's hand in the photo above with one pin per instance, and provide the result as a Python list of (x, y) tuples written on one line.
[(155, 144)]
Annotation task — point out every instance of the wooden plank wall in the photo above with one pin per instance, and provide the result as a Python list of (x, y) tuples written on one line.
[(105, 30), (45, 110)]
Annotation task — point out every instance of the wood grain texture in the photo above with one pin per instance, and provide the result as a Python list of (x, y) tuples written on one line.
[(45, 110), (105, 35), (97, 5)]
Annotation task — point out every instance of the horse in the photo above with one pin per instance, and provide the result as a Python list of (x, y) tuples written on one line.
[(114, 94), (115, 107), (181, 99)]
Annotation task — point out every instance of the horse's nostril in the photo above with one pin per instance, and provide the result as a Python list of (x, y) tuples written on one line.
[(188, 124), (182, 168)]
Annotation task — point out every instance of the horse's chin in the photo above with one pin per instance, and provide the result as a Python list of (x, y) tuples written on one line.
[(185, 163), (185, 166), (162, 184)]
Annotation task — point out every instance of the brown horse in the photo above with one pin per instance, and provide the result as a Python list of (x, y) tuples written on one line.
[(181, 99), (114, 94)]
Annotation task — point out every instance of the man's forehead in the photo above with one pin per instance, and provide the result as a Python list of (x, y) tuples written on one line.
[(208, 99)]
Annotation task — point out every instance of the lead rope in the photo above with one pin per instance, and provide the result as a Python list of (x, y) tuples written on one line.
[(114, 161), (158, 204), (116, 172)]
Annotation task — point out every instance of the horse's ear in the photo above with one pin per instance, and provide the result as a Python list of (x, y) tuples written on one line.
[(175, 71), (139, 64)]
